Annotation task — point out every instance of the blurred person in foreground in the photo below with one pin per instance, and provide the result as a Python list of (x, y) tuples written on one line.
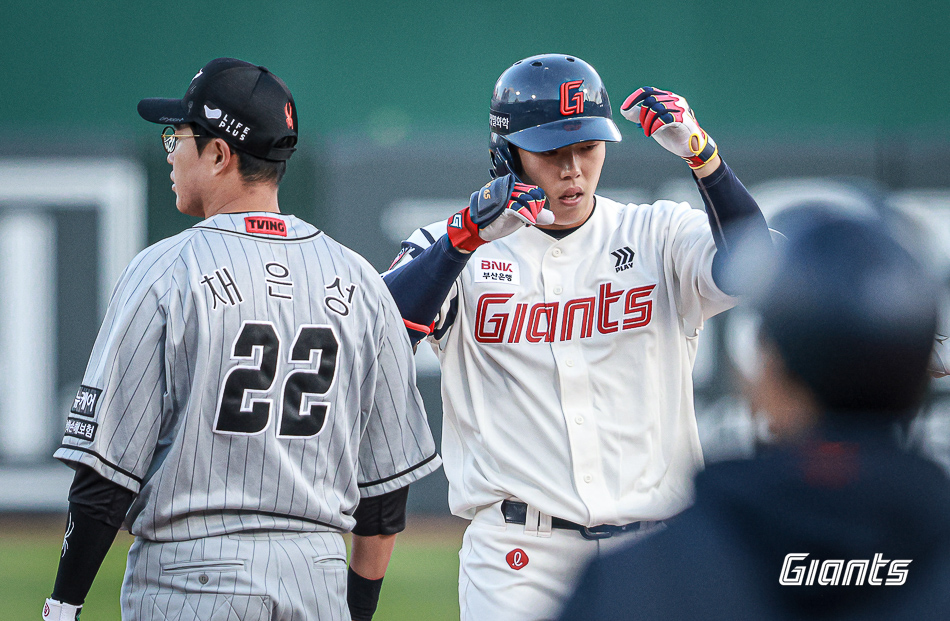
[(833, 520)]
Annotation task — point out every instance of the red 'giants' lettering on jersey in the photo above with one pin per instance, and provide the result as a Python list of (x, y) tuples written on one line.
[(538, 323), (266, 225)]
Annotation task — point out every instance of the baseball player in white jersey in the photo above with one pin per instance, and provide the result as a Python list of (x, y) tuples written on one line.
[(567, 346), (250, 396)]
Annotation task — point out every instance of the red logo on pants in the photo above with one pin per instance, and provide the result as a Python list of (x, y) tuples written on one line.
[(517, 558)]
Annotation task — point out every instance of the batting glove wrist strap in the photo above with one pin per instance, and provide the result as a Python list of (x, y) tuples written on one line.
[(55, 610), (668, 119), (498, 209), (463, 232)]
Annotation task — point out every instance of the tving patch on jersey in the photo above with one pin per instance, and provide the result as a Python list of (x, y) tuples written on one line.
[(498, 271), (85, 402), (266, 225), (82, 429), (624, 258)]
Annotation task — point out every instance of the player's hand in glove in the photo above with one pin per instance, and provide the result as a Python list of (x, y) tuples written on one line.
[(498, 209), (669, 120), (55, 610)]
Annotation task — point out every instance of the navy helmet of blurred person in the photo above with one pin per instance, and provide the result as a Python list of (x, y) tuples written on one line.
[(848, 321)]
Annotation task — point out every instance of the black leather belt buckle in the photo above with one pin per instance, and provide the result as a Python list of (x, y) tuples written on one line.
[(514, 512)]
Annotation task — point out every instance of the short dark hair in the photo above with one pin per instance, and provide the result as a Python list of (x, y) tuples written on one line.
[(253, 169)]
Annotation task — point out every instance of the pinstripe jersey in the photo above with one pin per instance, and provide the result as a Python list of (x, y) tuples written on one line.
[(251, 373)]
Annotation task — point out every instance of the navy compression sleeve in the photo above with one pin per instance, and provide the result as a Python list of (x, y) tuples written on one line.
[(420, 287), (733, 216)]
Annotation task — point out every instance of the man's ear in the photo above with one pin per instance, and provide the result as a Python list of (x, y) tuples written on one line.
[(221, 154), (789, 405)]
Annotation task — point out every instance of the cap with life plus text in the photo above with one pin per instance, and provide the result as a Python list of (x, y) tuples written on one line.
[(245, 105)]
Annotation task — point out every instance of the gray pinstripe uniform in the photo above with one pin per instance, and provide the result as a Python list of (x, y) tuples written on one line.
[(252, 380)]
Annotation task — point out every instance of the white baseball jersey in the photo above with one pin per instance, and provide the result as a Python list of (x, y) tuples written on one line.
[(250, 374), (566, 365)]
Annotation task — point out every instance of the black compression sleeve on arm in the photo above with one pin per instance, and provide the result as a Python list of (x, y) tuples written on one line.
[(84, 548), (101, 498), (382, 515), (733, 215), (420, 286), (97, 508)]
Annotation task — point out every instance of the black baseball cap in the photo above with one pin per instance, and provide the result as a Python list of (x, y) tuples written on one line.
[(245, 105)]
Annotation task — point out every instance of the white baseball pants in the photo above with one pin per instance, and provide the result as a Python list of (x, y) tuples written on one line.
[(514, 572)]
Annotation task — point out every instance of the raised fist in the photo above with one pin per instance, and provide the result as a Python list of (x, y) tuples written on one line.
[(669, 120), (498, 209)]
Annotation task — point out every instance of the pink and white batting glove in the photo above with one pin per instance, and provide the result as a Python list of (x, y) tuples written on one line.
[(500, 208), (55, 610), (669, 120)]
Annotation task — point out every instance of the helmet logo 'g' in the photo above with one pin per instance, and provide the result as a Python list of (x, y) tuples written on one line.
[(572, 104)]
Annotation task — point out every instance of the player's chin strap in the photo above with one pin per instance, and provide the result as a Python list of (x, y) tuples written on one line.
[(55, 610)]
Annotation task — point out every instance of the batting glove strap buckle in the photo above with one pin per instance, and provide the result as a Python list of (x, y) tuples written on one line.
[(55, 610), (704, 149)]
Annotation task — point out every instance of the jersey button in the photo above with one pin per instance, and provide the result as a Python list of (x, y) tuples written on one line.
[(556, 252), (557, 290), (579, 420), (569, 362), (588, 478)]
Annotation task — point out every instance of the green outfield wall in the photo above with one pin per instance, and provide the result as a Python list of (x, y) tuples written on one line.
[(391, 70)]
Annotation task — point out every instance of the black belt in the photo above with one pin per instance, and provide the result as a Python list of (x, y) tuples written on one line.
[(516, 512)]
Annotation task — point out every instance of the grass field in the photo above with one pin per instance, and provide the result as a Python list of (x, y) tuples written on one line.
[(422, 582)]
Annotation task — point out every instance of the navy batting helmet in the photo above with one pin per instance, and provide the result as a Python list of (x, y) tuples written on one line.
[(852, 313), (547, 102)]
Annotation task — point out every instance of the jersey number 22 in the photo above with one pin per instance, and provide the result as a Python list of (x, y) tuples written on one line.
[(301, 415)]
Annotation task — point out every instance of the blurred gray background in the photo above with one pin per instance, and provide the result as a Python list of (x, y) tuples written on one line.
[(846, 100)]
